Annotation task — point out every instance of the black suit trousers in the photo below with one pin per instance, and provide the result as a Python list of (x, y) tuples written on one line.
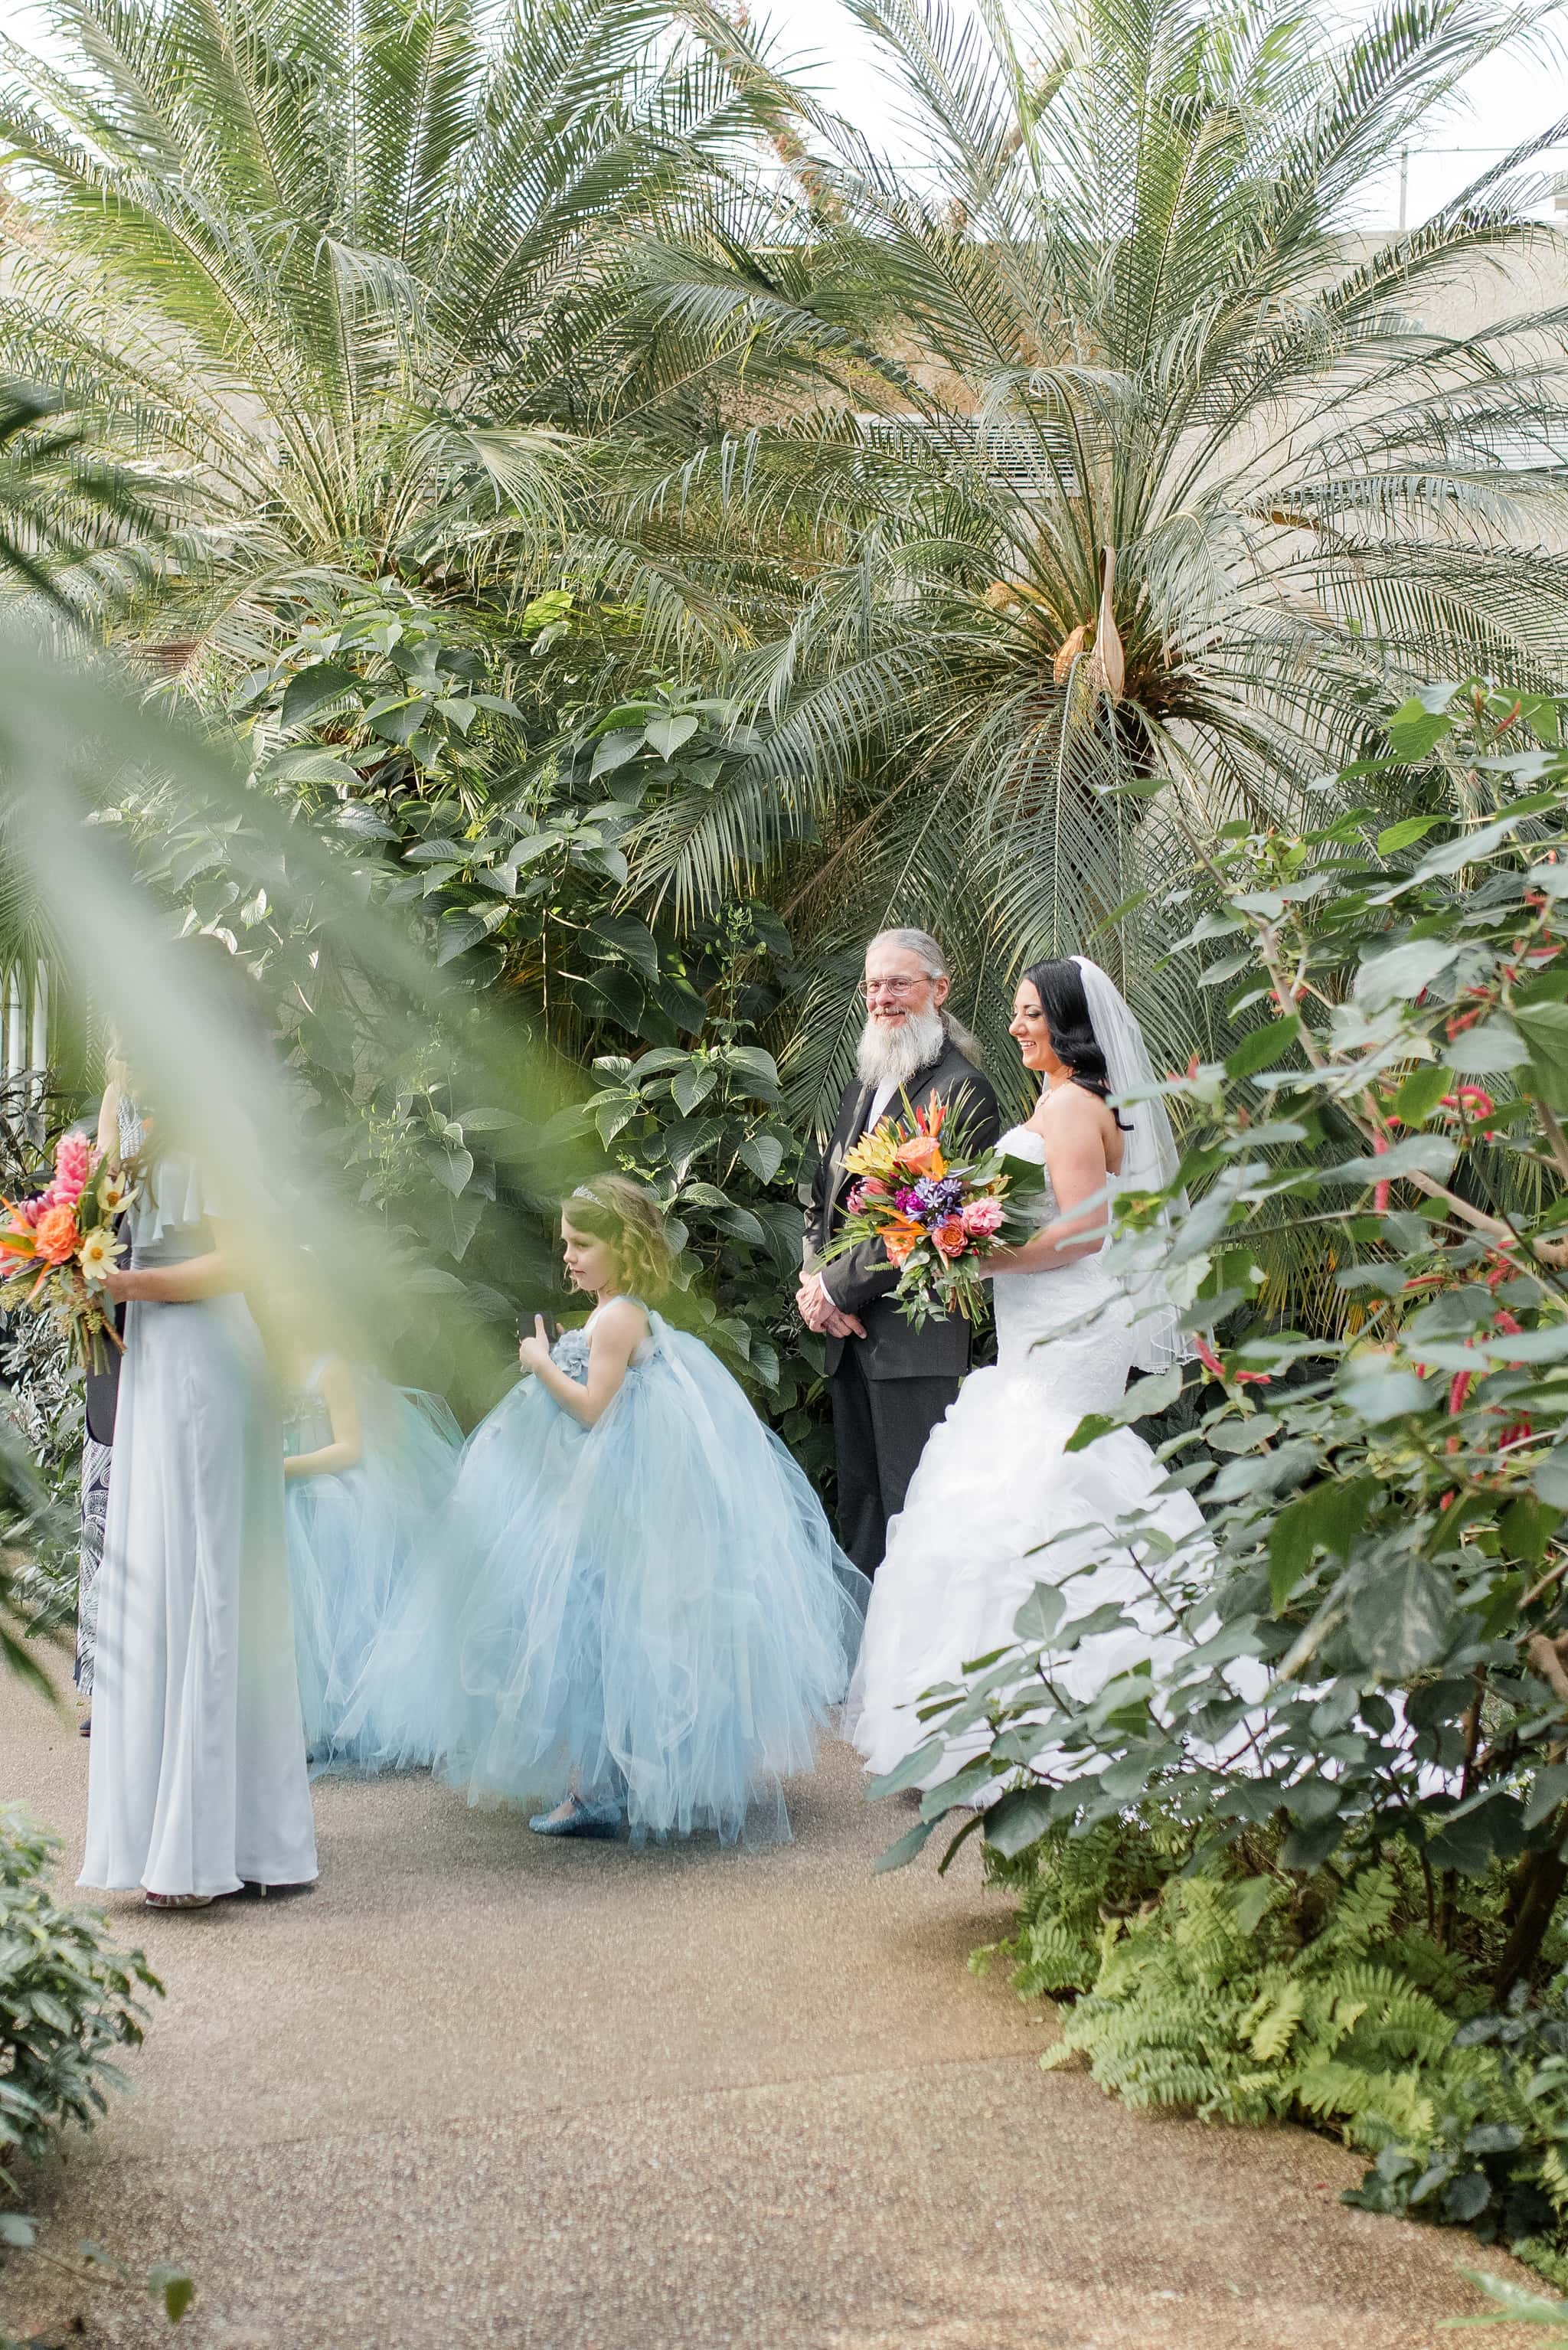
[(879, 1431)]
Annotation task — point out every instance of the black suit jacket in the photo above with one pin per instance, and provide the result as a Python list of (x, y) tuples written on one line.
[(862, 1281)]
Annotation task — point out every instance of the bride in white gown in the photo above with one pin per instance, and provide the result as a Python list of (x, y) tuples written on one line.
[(995, 1482)]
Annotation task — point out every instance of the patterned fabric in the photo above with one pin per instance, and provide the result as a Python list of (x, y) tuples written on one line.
[(570, 1354), (96, 1459)]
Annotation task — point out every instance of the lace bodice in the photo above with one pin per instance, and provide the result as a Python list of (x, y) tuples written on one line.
[(570, 1351), (1035, 1312), (570, 1354)]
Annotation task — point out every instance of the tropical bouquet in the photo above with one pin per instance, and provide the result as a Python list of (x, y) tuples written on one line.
[(940, 1204), (59, 1244)]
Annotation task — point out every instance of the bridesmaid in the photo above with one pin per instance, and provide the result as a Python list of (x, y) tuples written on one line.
[(197, 1783), (120, 1139)]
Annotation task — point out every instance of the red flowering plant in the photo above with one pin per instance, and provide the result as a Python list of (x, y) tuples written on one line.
[(940, 1203), (1375, 1617), (59, 1242)]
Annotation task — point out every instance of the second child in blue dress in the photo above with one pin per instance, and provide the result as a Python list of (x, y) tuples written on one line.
[(369, 1470), (659, 1622)]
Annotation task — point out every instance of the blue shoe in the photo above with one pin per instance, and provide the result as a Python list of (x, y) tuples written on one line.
[(579, 1819)]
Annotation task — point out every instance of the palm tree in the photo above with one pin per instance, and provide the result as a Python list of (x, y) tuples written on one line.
[(341, 286), (1132, 480)]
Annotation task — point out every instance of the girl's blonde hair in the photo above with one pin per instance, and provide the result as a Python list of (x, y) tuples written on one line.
[(621, 1214)]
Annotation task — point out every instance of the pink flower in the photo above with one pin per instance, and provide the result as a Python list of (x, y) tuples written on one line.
[(73, 1164), (981, 1218)]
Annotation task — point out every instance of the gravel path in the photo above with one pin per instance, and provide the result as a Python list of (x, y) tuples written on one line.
[(477, 2089)]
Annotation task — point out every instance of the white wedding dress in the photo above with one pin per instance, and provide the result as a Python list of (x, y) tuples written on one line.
[(993, 1484)]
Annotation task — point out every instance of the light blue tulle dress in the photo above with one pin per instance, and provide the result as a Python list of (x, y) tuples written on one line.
[(359, 1540), (652, 1611)]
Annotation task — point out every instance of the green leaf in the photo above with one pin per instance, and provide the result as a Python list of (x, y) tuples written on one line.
[(1329, 1517), (666, 735), (1404, 835), (692, 1085), (917, 1764), (1548, 1789), (174, 2289), (1018, 1819), (614, 750), (764, 1154), (1141, 1402), (1551, 1479), (1400, 1616), (1415, 732), (1419, 1095), (1544, 1027), (310, 690), (633, 942), (1041, 1614), (1262, 1047), (1419, 1154), (908, 1848), (759, 1068)]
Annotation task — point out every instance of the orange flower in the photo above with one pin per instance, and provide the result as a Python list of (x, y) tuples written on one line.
[(951, 1236), (919, 1154), (900, 1241), (56, 1234)]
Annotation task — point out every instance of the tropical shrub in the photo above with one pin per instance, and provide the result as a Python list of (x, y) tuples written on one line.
[(68, 1996), (1370, 1673)]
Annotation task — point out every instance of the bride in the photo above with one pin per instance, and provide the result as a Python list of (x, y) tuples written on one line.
[(994, 1482)]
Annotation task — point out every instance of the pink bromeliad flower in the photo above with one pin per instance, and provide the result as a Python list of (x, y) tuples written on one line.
[(73, 1164)]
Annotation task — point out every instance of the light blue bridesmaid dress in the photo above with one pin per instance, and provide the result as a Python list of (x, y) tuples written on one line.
[(357, 1539), (653, 1610)]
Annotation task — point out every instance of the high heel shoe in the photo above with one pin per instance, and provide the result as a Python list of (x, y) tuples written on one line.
[(579, 1819)]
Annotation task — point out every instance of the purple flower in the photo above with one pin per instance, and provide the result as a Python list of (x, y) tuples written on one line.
[(936, 1196), (909, 1202)]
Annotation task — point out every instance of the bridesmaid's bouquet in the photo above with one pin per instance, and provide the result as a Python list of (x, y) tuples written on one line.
[(60, 1243), (940, 1205)]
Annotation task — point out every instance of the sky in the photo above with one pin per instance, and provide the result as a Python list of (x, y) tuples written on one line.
[(1517, 95)]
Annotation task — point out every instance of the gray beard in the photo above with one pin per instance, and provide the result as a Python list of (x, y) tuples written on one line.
[(897, 1055)]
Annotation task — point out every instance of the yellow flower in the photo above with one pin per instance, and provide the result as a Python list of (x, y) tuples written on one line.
[(116, 1193), (97, 1253)]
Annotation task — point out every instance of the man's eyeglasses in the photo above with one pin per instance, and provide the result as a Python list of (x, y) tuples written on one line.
[(898, 988)]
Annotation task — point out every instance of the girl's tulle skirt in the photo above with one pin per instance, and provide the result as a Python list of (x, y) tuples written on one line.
[(652, 1611), (357, 1543)]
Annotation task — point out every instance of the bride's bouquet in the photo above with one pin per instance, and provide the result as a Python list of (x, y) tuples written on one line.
[(939, 1205), (60, 1243)]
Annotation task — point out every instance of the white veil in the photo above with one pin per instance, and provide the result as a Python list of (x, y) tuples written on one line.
[(1148, 1164)]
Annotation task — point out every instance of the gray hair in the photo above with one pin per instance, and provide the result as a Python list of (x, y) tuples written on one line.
[(934, 963)]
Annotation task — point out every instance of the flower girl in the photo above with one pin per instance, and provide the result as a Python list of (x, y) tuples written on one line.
[(658, 1621), (369, 1470)]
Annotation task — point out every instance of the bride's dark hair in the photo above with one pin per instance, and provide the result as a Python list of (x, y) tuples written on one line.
[(1059, 985)]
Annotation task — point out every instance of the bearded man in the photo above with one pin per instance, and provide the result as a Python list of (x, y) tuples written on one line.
[(890, 1383)]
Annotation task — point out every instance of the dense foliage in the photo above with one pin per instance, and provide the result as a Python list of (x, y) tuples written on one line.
[(68, 1997), (1367, 1712)]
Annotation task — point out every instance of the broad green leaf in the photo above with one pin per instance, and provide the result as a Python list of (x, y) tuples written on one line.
[(1404, 834), (1399, 1615), (313, 690), (1018, 1819), (764, 1154), (1262, 1048), (692, 1085), (1414, 732), (1419, 1095), (666, 735)]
